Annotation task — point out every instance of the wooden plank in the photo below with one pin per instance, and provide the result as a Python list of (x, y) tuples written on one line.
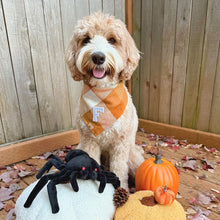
[(69, 19), (136, 33), (2, 135), (109, 7), (22, 64), (215, 109), (95, 5), (180, 60), (9, 105), (39, 51), (209, 64), (146, 33), (193, 136), (120, 9), (156, 56), (198, 20), (21, 151), (169, 28), (57, 63)]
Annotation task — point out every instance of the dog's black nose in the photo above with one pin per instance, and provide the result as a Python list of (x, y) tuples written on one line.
[(98, 58)]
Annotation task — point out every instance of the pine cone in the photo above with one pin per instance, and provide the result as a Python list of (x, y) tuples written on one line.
[(120, 197)]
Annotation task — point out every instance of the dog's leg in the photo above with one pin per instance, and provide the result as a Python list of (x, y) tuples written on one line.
[(119, 156), (135, 159), (90, 147)]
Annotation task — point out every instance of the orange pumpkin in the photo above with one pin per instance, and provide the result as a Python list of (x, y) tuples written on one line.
[(164, 195), (153, 173)]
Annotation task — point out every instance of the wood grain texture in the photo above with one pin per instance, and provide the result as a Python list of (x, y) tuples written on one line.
[(156, 57), (169, 28), (21, 151), (198, 20), (120, 9), (9, 104), (15, 18), (136, 33), (215, 109), (209, 64), (145, 63), (95, 5), (57, 63), (180, 61), (40, 58), (109, 7)]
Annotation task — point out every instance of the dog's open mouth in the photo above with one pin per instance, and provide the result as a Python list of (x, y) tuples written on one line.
[(98, 73)]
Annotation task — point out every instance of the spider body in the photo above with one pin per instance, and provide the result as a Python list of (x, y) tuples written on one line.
[(78, 164)]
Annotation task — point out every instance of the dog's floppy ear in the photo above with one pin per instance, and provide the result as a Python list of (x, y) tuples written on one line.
[(133, 57), (71, 59)]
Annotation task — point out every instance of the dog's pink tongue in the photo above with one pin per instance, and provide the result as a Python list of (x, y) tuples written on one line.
[(98, 73)]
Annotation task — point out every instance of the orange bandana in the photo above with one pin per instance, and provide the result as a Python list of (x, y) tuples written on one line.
[(100, 108)]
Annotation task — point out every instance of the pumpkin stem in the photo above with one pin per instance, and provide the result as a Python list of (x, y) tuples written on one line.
[(158, 159), (165, 188)]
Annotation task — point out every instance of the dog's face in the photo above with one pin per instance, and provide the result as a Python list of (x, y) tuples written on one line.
[(101, 52)]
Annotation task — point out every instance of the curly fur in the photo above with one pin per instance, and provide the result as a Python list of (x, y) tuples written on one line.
[(94, 33)]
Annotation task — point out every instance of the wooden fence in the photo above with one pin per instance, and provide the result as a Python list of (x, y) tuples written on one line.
[(178, 80), (37, 94)]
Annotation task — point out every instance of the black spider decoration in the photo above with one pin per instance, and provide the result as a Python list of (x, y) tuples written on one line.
[(78, 165)]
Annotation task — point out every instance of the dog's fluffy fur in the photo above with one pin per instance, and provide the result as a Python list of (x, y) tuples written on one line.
[(104, 33)]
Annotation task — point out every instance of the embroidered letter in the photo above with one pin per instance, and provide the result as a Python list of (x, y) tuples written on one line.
[(96, 114)]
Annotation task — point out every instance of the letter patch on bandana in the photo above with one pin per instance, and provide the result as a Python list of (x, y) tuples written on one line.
[(96, 114)]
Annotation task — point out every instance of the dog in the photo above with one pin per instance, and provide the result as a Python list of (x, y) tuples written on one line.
[(103, 54)]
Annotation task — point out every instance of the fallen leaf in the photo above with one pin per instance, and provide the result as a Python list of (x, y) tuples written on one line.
[(15, 187), (12, 182), (9, 206), (5, 177), (201, 215), (3, 167), (19, 167), (11, 215), (5, 194), (203, 199), (196, 146), (190, 211), (212, 206), (24, 173), (14, 174), (191, 164), (188, 158), (207, 165), (175, 148), (193, 201)]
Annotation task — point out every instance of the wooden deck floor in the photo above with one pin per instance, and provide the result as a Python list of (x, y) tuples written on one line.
[(190, 182)]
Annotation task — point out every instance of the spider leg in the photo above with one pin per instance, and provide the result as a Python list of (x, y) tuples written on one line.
[(41, 183), (112, 178), (73, 181), (102, 178), (55, 161), (52, 191)]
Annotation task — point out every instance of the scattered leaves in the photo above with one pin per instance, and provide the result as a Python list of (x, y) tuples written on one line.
[(9, 206), (203, 199), (190, 164), (5, 194), (11, 215)]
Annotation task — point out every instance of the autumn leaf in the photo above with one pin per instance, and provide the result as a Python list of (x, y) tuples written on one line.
[(5, 194), (191, 164), (11, 215), (203, 199), (207, 165), (9, 206), (24, 173)]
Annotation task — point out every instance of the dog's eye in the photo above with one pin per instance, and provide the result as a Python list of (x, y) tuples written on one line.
[(86, 40), (112, 40)]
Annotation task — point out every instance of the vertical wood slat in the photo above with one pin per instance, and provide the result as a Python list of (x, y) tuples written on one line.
[(39, 51), (57, 63), (215, 110), (120, 9), (156, 51), (169, 28), (9, 104), (136, 33), (209, 63), (109, 7), (180, 60), (95, 5), (22, 64), (145, 64), (198, 20)]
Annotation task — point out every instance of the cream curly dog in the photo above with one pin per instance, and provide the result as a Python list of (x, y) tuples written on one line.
[(103, 55)]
